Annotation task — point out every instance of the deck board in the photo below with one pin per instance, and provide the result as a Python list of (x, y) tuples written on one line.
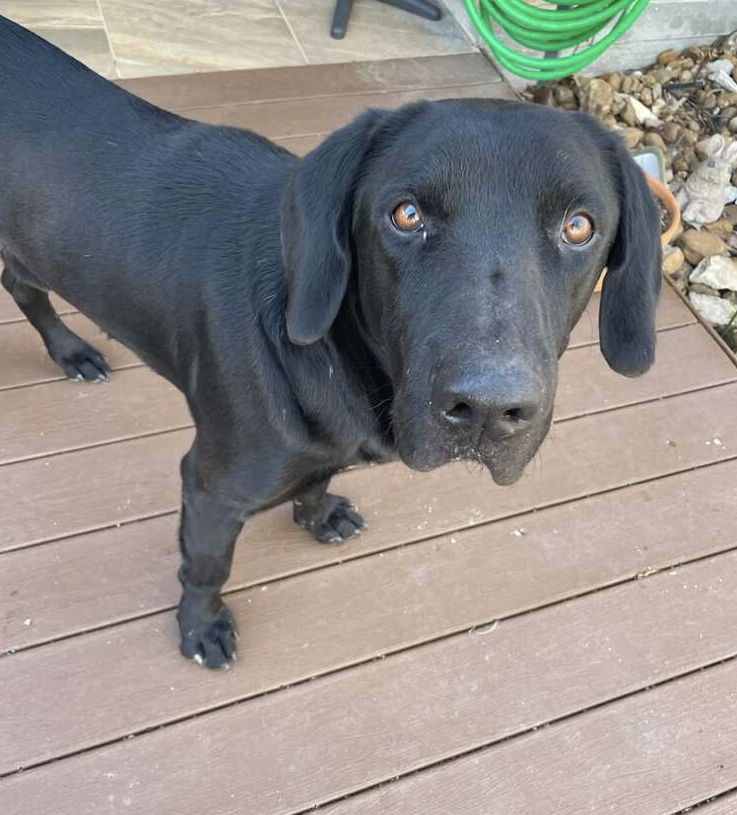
[(139, 478), (301, 117), (131, 572), (10, 313), (670, 314), (724, 805), (588, 385), (327, 619), (657, 752), (577, 655), (65, 416), (609, 569), (280, 84), (26, 362)]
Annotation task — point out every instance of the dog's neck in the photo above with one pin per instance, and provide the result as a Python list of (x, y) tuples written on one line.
[(365, 355)]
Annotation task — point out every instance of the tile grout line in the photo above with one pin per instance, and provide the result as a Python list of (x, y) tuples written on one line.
[(291, 31), (98, 3)]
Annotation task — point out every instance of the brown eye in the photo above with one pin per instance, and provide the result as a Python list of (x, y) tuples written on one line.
[(578, 229), (407, 217)]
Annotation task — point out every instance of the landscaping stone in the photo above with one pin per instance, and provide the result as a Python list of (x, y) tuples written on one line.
[(654, 139), (672, 132), (632, 137), (718, 272), (723, 227), (597, 97), (564, 94), (701, 288), (672, 259), (615, 80), (698, 244), (628, 84), (668, 56), (715, 310)]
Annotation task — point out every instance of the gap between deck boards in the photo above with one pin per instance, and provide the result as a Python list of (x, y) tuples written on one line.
[(578, 565), (542, 621)]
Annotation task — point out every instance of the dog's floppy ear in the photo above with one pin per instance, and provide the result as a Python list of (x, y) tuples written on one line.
[(315, 229), (632, 283)]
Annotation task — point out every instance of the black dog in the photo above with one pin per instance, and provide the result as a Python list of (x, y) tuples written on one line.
[(406, 289)]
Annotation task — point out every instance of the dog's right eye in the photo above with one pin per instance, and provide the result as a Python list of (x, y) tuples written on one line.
[(407, 217), (578, 229)]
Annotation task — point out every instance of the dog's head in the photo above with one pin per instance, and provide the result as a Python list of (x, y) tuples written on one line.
[(472, 234)]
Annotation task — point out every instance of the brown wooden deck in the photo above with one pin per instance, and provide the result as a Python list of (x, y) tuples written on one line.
[(565, 646)]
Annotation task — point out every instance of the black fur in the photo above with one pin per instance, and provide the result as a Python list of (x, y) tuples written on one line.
[(305, 331), (630, 293)]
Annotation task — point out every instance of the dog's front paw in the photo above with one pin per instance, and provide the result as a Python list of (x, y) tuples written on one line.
[(211, 643), (339, 520), (80, 361)]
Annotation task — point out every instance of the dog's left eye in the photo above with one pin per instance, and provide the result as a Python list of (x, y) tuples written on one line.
[(407, 217), (578, 229)]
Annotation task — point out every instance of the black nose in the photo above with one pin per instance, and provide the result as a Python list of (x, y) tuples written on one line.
[(498, 407)]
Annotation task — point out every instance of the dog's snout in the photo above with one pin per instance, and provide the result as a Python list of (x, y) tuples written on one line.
[(495, 406)]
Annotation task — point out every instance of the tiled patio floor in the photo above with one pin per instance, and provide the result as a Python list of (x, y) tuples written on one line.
[(131, 38)]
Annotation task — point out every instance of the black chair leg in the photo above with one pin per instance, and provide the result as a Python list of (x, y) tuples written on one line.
[(422, 8), (340, 18)]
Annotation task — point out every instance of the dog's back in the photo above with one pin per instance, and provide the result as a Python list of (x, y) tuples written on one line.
[(63, 129), (119, 206), (41, 85)]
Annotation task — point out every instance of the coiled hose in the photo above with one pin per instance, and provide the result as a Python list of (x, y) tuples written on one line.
[(551, 30)]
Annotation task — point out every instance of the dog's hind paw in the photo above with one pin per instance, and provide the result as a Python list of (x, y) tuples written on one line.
[(81, 362), (214, 644), (339, 522)]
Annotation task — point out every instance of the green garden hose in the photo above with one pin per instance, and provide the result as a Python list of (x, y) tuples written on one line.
[(553, 29)]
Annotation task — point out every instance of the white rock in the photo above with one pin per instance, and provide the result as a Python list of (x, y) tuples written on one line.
[(643, 113), (716, 271), (714, 310), (720, 72)]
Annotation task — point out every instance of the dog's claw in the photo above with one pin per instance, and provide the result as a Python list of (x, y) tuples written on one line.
[(214, 644), (340, 522), (81, 362)]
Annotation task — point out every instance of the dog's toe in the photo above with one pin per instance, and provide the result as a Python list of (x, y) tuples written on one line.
[(342, 523), (214, 645), (325, 532), (339, 519), (81, 362)]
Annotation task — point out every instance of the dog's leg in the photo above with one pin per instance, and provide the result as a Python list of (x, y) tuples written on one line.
[(78, 359), (328, 518), (210, 524)]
